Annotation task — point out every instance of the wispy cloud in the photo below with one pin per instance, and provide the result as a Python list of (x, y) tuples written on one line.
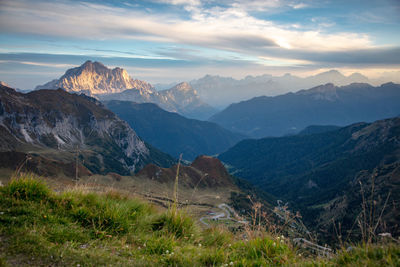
[(41, 64)]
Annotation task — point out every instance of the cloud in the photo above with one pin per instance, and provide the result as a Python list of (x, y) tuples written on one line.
[(229, 28), (389, 56), (40, 64)]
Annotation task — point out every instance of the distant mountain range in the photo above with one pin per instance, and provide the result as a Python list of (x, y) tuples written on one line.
[(172, 132), (320, 174), (53, 127), (221, 91), (322, 105), (95, 79)]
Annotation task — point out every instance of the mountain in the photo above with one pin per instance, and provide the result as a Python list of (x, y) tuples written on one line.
[(222, 91), (322, 105), (53, 126), (172, 132), (93, 78), (181, 98), (320, 174), (187, 102)]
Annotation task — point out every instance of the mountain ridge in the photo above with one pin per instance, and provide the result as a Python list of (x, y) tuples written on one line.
[(214, 89), (172, 132), (320, 173), (324, 104)]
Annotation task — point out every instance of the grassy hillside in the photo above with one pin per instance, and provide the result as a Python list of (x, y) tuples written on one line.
[(39, 227)]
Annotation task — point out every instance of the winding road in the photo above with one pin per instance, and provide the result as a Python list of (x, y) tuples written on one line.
[(224, 215)]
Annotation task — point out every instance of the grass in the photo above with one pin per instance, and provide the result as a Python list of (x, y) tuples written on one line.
[(39, 227)]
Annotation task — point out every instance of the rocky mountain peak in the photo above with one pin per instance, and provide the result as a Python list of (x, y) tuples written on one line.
[(4, 84), (94, 78)]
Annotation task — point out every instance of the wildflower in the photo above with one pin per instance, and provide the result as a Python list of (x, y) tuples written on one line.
[(199, 245), (167, 251), (231, 263), (274, 244)]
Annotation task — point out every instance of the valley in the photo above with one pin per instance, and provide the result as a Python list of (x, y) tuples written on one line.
[(335, 155)]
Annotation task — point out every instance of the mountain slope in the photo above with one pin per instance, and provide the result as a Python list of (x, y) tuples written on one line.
[(322, 105), (173, 133), (317, 171), (54, 124)]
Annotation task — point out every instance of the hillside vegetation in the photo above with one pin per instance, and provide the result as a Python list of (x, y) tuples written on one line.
[(328, 175), (39, 227)]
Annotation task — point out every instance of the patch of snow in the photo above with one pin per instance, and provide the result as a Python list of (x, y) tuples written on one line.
[(26, 135)]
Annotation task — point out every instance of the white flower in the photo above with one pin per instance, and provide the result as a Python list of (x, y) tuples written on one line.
[(231, 263), (199, 245), (167, 251)]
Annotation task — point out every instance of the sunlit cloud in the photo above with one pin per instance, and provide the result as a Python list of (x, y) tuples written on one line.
[(208, 28)]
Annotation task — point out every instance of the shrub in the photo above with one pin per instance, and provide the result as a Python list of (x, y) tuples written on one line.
[(216, 237), (27, 188), (107, 214), (159, 245), (214, 257), (175, 222), (263, 250)]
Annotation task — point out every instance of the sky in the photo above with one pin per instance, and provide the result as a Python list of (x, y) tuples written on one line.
[(163, 41)]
